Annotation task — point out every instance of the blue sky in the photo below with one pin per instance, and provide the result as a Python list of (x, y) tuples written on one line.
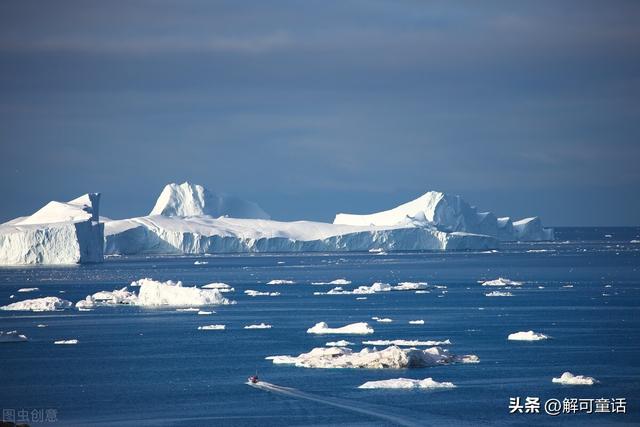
[(310, 108)]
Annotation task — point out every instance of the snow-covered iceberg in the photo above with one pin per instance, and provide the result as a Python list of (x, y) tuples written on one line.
[(527, 336), (58, 233), (188, 199), (451, 213), (361, 328), (392, 357), (153, 293), (568, 378), (38, 304), (407, 383)]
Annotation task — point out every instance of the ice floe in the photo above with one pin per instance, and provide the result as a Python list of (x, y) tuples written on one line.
[(280, 282), (200, 262), (28, 289), (392, 357), (406, 343), (361, 328), (253, 293), (375, 288), (211, 328), (205, 313), (498, 294), (382, 319), (568, 378), (258, 326), (222, 287), (416, 322), (39, 304), (527, 336), (153, 293), (334, 282), (12, 336), (407, 383), (500, 281), (66, 342), (188, 309), (341, 343)]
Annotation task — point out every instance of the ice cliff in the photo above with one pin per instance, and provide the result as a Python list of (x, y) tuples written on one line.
[(188, 199), (451, 213), (58, 233)]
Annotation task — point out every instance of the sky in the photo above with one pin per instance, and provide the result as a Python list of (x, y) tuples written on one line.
[(310, 108)]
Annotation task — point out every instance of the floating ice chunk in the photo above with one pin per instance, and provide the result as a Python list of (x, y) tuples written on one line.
[(389, 358), (66, 342), (211, 328), (333, 282), (568, 378), (423, 292), (188, 309), (106, 298), (153, 293), (361, 298), (635, 241), (407, 383), (200, 262), (341, 343), (280, 282), (205, 313), (258, 326), (222, 287), (501, 282), (39, 304), (253, 293), (41, 325), (383, 320), (410, 286), (361, 328), (28, 289), (416, 322), (498, 294), (406, 343), (12, 336), (527, 336)]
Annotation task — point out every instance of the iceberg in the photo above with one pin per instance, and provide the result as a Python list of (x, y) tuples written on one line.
[(375, 288), (221, 287), (66, 342), (568, 378), (188, 199), (335, 282), (58, 233), (501, 282), (416, 322), (12, 336), (392, 357), (406, 383), (340, 343), (153, 293), (258, 326), (450, 213), (179, 224), (212, 328), (253, 293), (382, 320), (498, 294), (39, 304), (28, 289), (407, 343), (361, 328), (281, 282), (527, 336)]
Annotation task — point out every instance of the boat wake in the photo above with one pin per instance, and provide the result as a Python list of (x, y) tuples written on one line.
[(343, 404)]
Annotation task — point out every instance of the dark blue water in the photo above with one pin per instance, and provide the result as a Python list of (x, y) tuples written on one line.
[(153, 367)]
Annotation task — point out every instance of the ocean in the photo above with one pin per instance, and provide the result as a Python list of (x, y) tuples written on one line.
[(140, 366)]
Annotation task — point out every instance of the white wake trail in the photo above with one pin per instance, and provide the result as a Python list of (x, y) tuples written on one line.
[(287, 391)]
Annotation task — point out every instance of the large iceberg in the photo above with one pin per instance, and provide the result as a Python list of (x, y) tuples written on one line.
[(188, 199), (58, 233), (451, 213), (38, 304), (407, 383), (392, 357)]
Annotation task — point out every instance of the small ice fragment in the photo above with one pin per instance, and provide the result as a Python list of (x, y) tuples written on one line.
[(527, 336), (66, 342), (258, 326), (416, 322), (568, 378), (211, 328), (361, 328)]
